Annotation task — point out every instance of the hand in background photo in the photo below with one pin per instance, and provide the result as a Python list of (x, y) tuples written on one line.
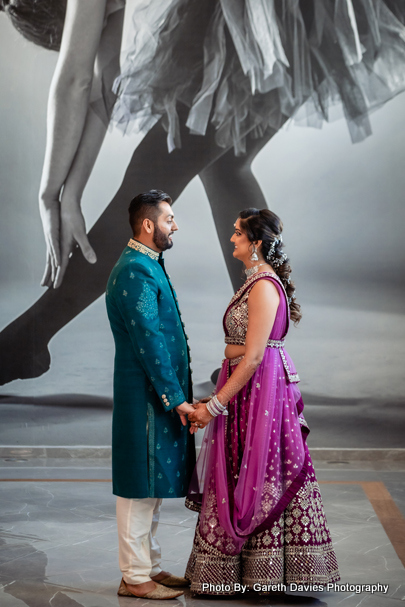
[(72, 234), (64, 229), (50, 217)]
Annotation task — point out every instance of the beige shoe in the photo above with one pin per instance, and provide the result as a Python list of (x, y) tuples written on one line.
[(160, 592), (173, 581)]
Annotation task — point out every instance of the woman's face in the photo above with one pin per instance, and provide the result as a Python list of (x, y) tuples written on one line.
[(243, 247)]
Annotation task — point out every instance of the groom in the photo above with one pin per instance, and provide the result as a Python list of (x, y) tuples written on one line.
[(153, 451)]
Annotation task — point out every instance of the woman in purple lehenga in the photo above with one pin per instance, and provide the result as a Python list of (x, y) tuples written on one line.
[(262, 520)]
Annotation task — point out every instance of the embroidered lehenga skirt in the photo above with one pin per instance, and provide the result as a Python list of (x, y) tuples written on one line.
[(261, 514)]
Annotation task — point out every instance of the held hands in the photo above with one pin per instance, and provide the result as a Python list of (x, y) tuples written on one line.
[(191, 411), (200, 415), (64, 227)]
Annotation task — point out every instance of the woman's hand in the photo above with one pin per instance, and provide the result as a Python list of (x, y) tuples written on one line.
[(64, 227), (200, 417), (72, 233), (50, 215), (185, 410)]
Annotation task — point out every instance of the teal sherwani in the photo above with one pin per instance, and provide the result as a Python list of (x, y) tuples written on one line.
[(153, 453)]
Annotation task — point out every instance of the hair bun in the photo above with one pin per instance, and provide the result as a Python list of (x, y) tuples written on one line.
[(269, 216)]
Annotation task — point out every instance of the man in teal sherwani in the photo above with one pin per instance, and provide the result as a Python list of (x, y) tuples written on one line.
[(152, 448)]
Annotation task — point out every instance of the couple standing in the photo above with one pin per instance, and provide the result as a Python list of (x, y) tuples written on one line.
[(261, 516)]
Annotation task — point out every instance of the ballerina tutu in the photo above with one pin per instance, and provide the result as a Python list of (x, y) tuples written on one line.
[(248, 65)]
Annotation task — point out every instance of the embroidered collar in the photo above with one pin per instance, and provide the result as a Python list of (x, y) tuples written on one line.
[(138, 246)]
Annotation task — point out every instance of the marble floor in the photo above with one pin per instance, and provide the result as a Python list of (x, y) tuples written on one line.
[(58, 541)]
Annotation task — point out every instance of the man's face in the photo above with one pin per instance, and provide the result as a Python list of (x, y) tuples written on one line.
[(164, 227)]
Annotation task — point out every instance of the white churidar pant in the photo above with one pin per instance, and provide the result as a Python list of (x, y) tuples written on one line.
[(138, 549)]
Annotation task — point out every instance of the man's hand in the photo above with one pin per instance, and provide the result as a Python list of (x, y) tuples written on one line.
[(183, 410), (200, 415)]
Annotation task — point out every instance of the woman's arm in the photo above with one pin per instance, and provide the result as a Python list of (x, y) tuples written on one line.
[(106, 70), (262, 307), (70, 90), (72, 229), (67, 109)]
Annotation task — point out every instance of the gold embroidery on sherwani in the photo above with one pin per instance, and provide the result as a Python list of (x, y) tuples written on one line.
[(138, 246)]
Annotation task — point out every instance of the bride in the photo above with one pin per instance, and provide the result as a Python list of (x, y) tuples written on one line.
[(261, 514)]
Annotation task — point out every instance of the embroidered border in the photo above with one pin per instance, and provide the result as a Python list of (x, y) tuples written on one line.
[(240, 341), (293, 378), (314, 564), (207, 563), (192, 505), (235, 361), (141, 248), (249, 280)]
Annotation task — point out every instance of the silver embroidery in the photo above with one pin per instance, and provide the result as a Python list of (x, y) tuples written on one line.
[(297, 548), (236, 324), (147, 303)]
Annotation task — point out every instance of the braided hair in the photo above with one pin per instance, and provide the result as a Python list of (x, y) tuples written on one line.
[(40, 21), (266, 226)]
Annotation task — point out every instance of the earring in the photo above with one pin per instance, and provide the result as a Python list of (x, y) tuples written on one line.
[(254, 256)]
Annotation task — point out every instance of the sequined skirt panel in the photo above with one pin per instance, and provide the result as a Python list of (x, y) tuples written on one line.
[(297, 548)]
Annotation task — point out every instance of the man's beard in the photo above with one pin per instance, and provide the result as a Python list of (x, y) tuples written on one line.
[(161, 241)]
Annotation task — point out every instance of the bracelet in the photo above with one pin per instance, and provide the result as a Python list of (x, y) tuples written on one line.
[(215, 408)]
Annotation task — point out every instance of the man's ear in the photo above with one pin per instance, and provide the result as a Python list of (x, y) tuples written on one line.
[(148, 225)]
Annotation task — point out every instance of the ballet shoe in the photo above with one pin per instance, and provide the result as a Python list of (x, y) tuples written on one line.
[(173, 581), (21, 357), (159, 593), (25, 368)]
